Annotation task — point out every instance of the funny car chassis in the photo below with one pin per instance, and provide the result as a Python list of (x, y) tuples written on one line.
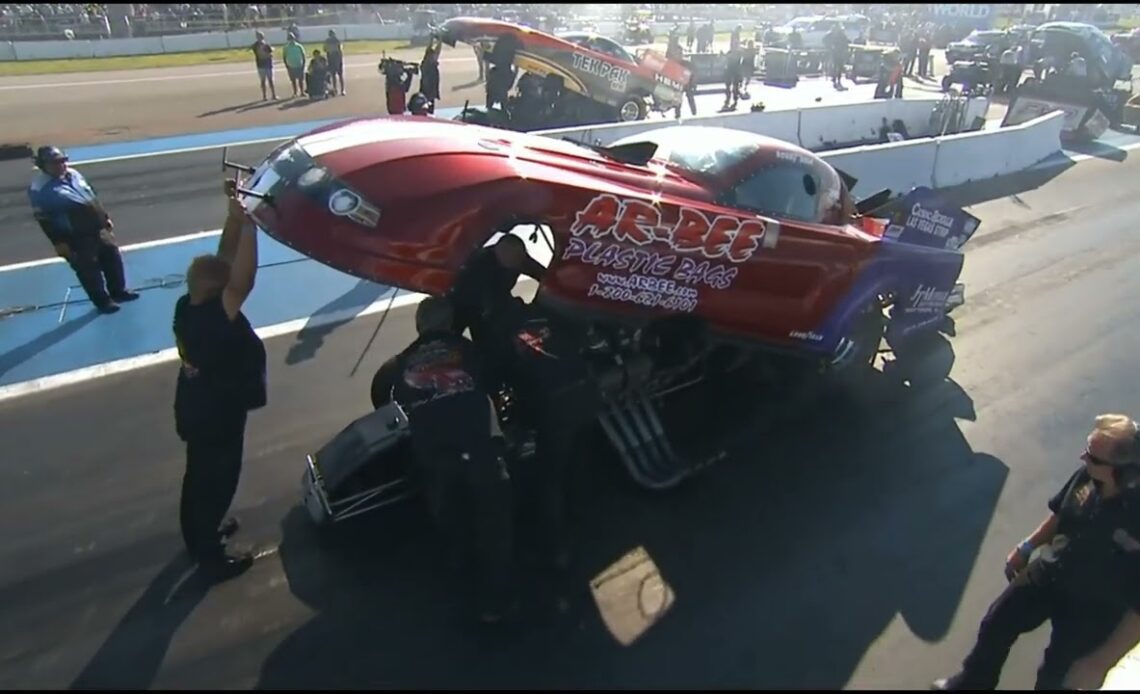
[(341, 481)]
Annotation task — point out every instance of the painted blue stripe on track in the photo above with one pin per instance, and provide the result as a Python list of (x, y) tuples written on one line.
[(214, 139), (37, 343)]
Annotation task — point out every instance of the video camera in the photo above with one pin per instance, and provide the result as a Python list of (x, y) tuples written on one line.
[(394, 68)]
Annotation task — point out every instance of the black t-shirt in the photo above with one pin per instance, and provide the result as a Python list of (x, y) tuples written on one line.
[(1084, 557), (484, 286), (439, 381), (223, 372), (262, 54)]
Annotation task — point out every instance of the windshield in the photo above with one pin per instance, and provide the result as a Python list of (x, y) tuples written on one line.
[(702, 150)]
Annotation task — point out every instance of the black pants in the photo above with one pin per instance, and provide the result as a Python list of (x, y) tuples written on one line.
[(691, 96), (469, 497), (213, 467), (1078, 628), (99, 267), (563, 415)]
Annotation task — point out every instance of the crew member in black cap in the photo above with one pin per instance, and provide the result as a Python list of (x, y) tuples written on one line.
[(70, 214)]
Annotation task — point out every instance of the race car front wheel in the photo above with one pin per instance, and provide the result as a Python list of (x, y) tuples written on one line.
[(633, 108)]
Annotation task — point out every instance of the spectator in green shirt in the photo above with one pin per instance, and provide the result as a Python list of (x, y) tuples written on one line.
[(294, 55)]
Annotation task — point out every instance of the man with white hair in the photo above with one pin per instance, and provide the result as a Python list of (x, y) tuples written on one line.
[(1085, 580)]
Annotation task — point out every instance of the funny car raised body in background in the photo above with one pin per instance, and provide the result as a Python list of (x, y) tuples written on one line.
[(597, 80), (683, 240)]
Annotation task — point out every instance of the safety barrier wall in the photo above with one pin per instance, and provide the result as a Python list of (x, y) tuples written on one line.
[(813, 127), (184, 43), (55, 50), (978, 156), (899, 166), (938, 162)]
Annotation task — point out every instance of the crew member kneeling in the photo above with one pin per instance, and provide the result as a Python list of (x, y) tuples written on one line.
[(71, 216), (1086, 581), (221, 379), (439, 381)]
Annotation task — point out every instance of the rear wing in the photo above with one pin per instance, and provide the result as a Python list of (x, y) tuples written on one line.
[(923, 217)]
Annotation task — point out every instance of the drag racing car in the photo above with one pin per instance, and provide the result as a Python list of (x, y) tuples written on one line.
[(596, 79), (683, 254)]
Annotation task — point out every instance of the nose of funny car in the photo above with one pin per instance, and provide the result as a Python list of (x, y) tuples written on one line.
[(393, 209)]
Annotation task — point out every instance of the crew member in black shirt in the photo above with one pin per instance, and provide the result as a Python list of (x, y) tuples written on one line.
[(222, 377), (486, 282), (440, 382), (1086, 581), (539, 359)]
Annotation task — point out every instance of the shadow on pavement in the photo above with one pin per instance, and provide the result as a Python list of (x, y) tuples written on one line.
[(340, 311), (777, 569), (134, 651), (240, 108), (18, 355)]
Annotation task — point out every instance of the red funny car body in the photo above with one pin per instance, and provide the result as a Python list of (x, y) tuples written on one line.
[(594, 67), (405, 201)]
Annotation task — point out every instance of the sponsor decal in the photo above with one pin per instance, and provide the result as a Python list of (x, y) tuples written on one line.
[(640, 223), (927, 299), (965, 11), (925, 219), (651, 292), (808, 336), (647, 261), (345, 203), (794, 157), (618, 77)]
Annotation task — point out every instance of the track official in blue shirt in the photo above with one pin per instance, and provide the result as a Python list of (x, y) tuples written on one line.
[(73, 219)]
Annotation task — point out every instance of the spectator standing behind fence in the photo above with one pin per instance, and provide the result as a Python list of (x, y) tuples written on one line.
[(294, 56), (263, 58), (335, 55)]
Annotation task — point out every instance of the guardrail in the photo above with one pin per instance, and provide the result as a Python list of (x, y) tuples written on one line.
[(220, 40), (929, 160)]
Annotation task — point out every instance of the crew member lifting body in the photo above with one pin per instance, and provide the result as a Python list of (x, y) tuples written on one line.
[(1086, 580), (74, 220), (439, 381), (221, 379)]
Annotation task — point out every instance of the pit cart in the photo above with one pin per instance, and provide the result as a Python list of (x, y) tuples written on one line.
[(866, 61)]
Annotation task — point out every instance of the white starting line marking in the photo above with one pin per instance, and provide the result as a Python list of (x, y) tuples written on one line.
[(168, 241), (90, 373)]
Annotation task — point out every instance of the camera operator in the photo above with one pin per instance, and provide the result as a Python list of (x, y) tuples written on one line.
[(1086, 581), (397, 81), (79, 228), (440, 382)]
